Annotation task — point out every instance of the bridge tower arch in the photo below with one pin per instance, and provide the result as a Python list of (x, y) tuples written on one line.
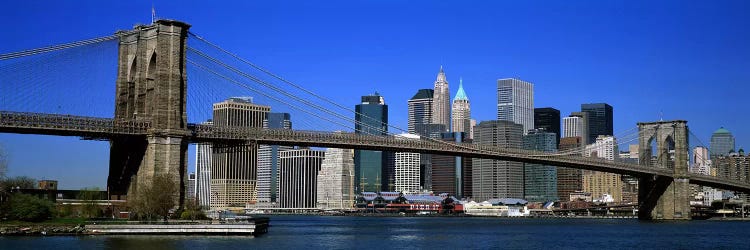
[(151, 87), (664, 197)]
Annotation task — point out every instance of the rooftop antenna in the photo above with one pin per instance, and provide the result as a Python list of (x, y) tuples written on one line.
[(661, 116), (153, 14)]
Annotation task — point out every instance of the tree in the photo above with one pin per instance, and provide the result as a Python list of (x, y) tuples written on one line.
[(88, 198), (154, 201), (30, 208), (22, 182), (193, 210)]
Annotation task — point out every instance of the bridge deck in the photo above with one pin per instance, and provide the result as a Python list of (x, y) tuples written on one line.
[(106, 128)]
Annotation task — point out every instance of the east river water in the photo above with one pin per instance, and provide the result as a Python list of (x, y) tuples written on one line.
[(324, 232)]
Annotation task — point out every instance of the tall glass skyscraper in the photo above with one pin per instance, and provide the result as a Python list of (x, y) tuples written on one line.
[(722, 142), (420, 109), (549, 120), (515, 102), (540, 181), (600, 120), (370, 167)]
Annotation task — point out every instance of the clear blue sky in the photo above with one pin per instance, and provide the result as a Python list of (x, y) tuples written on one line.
[(683, 59)]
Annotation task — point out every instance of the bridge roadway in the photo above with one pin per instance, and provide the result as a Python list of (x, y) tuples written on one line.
[(106, 128)]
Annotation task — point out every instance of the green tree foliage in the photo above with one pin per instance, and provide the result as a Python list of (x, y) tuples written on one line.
[(22, 182), (193, 211), (29, 208), (88, 198), (152, 202)]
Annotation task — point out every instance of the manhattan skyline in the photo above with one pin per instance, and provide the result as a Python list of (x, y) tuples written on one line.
[(649, 61)]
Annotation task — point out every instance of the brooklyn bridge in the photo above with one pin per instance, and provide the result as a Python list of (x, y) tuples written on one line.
[(150, 132)]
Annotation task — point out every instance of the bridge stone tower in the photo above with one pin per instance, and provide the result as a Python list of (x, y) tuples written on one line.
[(664, 197), (151, 87)]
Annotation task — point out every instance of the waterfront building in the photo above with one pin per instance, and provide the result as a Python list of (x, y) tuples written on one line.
[(298, 174), (600, 120), (493, 178), (234, 166), (549, 120), (452, 174), (515, 102), (407, 169), (735, 166), (629, 183), (370, 166), (569, 180), (335, 181), (461, 110), (601, 183), (722, 142), (441, 107), (203, 155), (268, 159), (420, 109), (540, 181)]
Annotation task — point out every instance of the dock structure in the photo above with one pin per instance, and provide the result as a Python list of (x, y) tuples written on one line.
[(254, 226)]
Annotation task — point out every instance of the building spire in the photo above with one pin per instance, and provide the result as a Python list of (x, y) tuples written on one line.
[(441, 75), (461, 94)]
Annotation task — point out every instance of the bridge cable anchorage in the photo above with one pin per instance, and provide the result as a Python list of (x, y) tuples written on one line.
[(255, 79), (289, 82), (79, 43)]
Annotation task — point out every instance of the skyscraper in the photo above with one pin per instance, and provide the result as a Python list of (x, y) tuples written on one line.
[(407, 172), (370, 166), (493, 178), (600, 120), (441, 107), (461, 110), (203, 153), (577, 125), (722, 142), (549, 120), (452, 174), (540, 181), (268, 159), (420, 109), (515, 102), (234, 166), (336, 180), (298, 174)]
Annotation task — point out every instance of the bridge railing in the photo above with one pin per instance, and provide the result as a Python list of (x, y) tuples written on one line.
[(70, 123)]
